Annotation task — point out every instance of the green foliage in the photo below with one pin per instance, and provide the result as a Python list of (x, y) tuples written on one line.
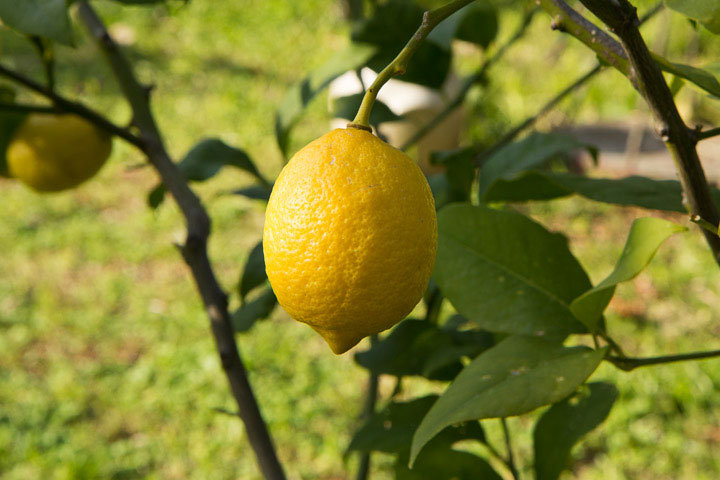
[(9, 121), (455, 184), (475, 23), (697, 76), (205, 160), (535, 150), (45, 18), (645, 237), (706, 12), (634, 190), (565, 423), (417, 347), (391, 431), (516, 376), (507, 273), (254, 273), (299, 96)]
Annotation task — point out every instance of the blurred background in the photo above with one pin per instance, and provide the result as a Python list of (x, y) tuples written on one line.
[(107, 367)]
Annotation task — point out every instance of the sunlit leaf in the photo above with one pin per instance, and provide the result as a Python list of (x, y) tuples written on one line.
[(516, 376), (507, 273), (645, 237), (258, 308), (706, 12)]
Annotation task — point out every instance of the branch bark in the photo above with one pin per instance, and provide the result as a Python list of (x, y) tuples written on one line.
[(195, 249), (636, 62), (681, 141)]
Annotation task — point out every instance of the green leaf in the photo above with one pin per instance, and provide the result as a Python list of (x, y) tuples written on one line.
[(645, 237), (257, 309), (255, 192), (706, 12), (347, 107), (634, 190), (208, 156), (702, 78), (254, 273), (417, 347), (389, 29), (474, 23), (203, 161), (45, 18), (459, 174), (391, 430), (300, 94), (140, 2), (516, 376), (565, 423), (506, 273), (532, 151)]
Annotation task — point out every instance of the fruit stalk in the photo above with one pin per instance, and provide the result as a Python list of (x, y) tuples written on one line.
[(194, 251), (431, 19)]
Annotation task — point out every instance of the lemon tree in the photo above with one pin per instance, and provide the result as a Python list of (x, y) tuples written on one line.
[(506, 319)]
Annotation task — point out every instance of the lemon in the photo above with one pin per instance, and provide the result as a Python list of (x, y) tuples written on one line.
[(51, 152), (350, 236)]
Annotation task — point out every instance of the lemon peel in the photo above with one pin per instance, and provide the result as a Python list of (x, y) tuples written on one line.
[(350, 236)]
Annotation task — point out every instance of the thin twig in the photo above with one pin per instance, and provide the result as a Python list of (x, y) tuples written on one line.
[(713, 132), (629, 363), (621, 17), (24, 108), (194, 251), (704, 224), (72, 106), (508, 445), (469, 82), (544, 110), (398, 66)]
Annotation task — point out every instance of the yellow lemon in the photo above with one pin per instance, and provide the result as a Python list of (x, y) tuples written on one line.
[(50, 152), (350, 236)]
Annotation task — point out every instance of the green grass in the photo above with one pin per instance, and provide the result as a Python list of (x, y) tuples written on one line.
[(107, 366)]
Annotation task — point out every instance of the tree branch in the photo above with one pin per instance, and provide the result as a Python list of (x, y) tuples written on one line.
[(24, 108), (66, 105), (397, 67), (680, 140), (510, 461), (368, 409), (469, 82), (713, 132), (195, 249), (628, 363)]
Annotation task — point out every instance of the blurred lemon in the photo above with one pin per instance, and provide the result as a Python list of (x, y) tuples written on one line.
[(350, 236), (51, 152)]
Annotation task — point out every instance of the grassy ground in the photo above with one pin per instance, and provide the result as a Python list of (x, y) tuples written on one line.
[(107, 367)]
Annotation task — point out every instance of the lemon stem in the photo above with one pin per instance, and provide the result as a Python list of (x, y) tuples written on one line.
[(431, 19)]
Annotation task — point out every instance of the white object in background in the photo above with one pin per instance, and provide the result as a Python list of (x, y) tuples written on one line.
[(416, 103)]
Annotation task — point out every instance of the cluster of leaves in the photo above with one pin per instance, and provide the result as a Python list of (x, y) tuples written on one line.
[(519, 292)]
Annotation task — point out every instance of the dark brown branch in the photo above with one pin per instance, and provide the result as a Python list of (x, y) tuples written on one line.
[(195, 249), (76, 107), (713, 132), (680, 140)]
